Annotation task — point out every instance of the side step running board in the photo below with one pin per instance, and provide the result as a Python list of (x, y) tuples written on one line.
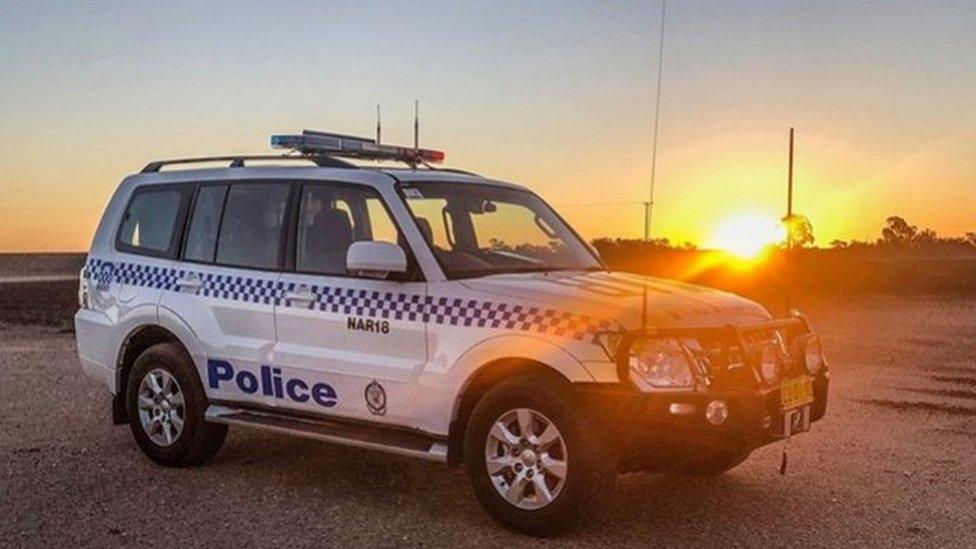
[(384, 439)]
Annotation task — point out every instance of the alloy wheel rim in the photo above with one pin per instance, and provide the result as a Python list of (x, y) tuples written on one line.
[(526, 458), (161, 407)]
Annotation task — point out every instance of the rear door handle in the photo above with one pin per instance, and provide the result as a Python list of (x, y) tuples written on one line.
[(190, 283)]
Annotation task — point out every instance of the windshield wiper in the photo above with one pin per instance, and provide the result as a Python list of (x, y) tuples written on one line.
[(521, 270)]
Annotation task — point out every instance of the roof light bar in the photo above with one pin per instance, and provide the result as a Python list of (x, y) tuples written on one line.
[(314, 143)]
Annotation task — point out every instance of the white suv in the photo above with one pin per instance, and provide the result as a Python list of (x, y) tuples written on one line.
[(425, 312)]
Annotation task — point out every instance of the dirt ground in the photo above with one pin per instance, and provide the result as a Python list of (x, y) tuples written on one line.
[(892, 464)]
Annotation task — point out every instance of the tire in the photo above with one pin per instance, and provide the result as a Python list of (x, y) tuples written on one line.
[(588, 467), (196, 441), (711, 464)]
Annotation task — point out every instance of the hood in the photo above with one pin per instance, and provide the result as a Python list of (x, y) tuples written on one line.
[(619, 297)]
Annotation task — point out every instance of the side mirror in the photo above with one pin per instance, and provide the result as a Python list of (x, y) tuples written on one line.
[(375, 259)]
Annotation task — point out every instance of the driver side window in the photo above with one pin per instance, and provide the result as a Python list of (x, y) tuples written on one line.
[(331, 218)]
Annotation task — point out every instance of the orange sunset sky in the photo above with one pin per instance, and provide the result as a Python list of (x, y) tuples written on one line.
[(554, 95)]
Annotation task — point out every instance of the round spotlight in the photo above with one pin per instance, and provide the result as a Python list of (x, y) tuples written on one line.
[(813, 357), (717, 412), (769, 364)]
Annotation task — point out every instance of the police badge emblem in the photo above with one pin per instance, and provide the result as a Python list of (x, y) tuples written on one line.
[(375, 398)]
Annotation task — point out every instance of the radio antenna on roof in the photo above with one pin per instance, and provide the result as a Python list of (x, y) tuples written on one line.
[(379, 131), (649, 205), (416, 125)]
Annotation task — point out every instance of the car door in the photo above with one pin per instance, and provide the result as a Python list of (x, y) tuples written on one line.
[(357, 342), (226, 285)]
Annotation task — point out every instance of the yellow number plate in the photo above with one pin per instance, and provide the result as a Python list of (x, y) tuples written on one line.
[(796, 392)]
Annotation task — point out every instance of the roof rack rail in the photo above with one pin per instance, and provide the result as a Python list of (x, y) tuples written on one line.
[(453, 170), (238, 161), (324, 149)]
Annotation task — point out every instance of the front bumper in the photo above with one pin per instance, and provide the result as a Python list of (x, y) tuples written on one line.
[(654, 430)]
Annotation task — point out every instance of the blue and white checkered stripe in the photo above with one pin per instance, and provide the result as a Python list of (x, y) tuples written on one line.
[(359, 302), (239, 288), (218, 286), (131, 274)]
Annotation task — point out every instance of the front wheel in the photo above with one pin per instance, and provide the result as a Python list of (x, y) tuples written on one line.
[(535, 460)]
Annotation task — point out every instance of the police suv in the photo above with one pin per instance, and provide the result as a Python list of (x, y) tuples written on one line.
[(425, 312)]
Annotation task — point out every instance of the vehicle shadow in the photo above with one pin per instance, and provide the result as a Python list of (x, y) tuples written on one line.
[(405, 491)]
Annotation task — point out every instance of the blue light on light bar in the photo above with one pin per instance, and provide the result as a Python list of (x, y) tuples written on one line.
[(307, 143)]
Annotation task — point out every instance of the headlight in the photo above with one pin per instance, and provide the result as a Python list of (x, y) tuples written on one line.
[(660, 364), (813, 358), (770, 363)]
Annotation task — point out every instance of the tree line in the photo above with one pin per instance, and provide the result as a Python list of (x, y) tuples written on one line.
[(897, 235)]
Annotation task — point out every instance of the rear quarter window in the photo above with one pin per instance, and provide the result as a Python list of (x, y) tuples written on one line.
[(153, 221)]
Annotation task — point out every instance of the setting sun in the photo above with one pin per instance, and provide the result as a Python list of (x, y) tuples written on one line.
[(746, 235)]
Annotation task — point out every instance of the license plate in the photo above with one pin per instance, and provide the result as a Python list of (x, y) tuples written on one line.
[(796, 392), (796, 421)]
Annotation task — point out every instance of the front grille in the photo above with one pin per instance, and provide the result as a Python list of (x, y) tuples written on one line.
[(726, 356), (722, 356)]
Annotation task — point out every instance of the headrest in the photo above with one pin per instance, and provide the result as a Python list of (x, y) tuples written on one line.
[(425, 229)]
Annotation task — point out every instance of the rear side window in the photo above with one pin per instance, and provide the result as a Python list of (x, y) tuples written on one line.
[(201, 239), (252, 226), (152, 221)]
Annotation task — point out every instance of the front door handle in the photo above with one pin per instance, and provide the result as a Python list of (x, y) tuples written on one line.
[(301, 294)]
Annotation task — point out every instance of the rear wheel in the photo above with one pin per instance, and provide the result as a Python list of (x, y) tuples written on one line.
[(536, 461), (166, 403)]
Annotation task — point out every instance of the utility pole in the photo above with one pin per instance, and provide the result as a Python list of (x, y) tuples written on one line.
[(649, 205), (647, 221)]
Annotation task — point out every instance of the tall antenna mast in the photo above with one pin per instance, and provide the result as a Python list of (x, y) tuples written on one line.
[(788, 265), (649, 205), (650, 198), (379, 131)]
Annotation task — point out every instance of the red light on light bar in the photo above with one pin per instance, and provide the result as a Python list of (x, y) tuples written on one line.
[(432, 155), (426, 155)]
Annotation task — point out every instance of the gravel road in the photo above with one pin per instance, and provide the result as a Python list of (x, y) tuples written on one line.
[(892, 464)]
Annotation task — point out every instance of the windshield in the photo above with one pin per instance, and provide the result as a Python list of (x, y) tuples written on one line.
[(479, 230)]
